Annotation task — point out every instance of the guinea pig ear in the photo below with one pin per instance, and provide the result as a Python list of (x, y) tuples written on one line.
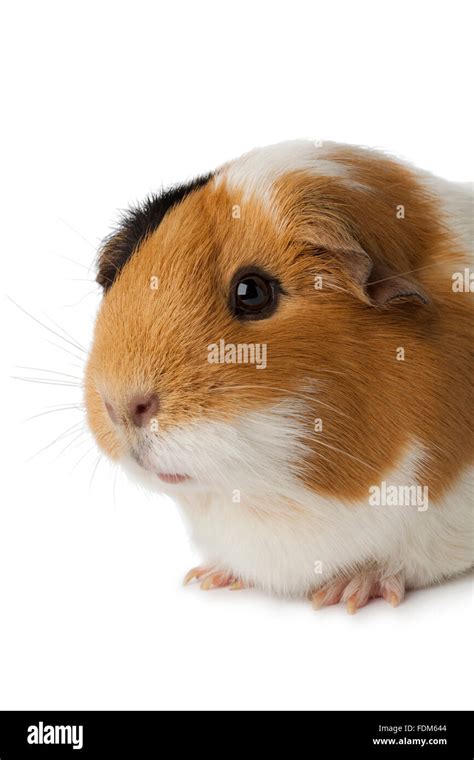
[(375, 284)]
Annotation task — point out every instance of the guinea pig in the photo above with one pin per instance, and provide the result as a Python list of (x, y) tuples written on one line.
[(285, 346)]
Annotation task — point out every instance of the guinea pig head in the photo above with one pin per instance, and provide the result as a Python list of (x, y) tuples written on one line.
[(239, 323)]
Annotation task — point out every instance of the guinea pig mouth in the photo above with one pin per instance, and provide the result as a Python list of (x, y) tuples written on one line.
[(172, 477), (166, 477)]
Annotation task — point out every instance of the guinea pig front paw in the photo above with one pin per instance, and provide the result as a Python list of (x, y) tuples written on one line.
[(355, 592), (211, 577)]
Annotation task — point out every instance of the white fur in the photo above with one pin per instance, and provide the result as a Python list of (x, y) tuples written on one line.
[(279, 529), (457, 206), (255, 172)]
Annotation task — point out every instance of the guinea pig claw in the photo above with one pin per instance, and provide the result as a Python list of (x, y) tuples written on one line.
[(392, 590), (356, 592), (330, 594), (211, 578), (194, 574), (216, 580), (317, 600), (351, 605), (392, 599)]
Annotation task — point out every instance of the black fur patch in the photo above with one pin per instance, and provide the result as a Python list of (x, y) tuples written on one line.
[(136, 225)]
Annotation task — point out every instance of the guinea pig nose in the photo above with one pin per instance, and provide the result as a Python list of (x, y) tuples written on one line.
[(141, 409)]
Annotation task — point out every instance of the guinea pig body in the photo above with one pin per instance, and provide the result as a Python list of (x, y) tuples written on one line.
[(285, 347)]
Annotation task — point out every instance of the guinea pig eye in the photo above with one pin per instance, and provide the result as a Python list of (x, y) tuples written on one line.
[(253, 296)]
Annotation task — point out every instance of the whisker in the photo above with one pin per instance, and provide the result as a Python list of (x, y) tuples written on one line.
[(79, 279), (76, 232), (46, 381), (60, 327), (71, 305), (402, 274), (46, 327), (304, 396), (331, 371), (73, 440), (82, 457), (99, 459), (78, 263), (79, 358), (79, 405), (43, 369), (56, 409), (317, 442), (318, 453), (69, 431)]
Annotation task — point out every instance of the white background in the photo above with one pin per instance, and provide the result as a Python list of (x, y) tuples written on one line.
[(103, 102)]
